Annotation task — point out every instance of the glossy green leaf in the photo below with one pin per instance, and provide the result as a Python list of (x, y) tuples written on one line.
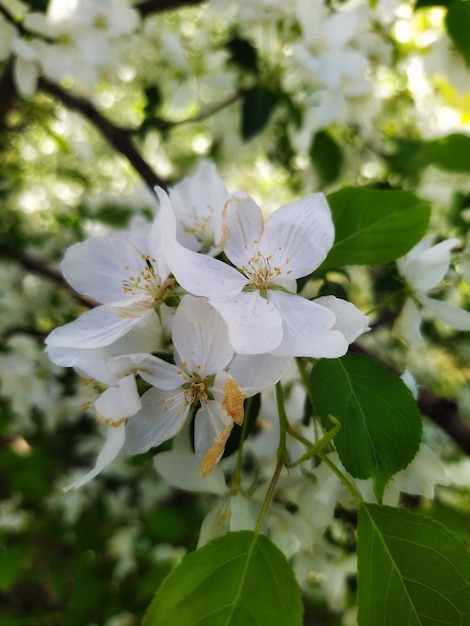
[(240, 579), (374, 226), (257, 108), (458, 26), (380, 422), (411, 570)]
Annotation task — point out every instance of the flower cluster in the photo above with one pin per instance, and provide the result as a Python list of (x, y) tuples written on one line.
[(199, 333)]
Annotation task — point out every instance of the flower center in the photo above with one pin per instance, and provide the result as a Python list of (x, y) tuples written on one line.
[(196, 392), (147, 282), (260, 271), (200, 226)]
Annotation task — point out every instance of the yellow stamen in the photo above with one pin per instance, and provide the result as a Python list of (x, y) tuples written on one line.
[(233, 400), (212, 457)]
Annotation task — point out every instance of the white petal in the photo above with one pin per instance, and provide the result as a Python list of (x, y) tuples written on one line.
[(91, 363), (425, 269), (96, 328), (217, 521), (408, 324), (200, 336), (450, 314), (244, 513), (256, 372), (424, 472), (112, 446), (349, 320), (153, 370), (162, 416), (198, 203), (181, 470), (99, 267), (199, 274), (26, 77), (242, 228), (119, 402), (212, 428), (307, 328), (299, 235), (409, 380), (254, 323)]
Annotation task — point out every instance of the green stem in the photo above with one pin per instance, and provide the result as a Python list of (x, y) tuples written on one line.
[(281, 455), (319, 446), (283, 423), (298, 436), (269, 494), (305, 376), (346, 482), (391, 298)]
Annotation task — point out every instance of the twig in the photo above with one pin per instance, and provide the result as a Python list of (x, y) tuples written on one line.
[(119, 138), (164, 124)]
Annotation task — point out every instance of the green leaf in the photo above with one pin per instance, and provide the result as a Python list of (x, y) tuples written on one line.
[(326, 156), (458, 26), (240, 579), (374, 226), (257, 108), (380, 422), (12, 562), (411, 570), (243, 54), (450, 153)]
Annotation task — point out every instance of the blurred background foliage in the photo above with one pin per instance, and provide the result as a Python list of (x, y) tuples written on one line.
[(217, 81)]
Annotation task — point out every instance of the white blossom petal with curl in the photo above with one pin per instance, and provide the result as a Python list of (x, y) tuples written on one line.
[(113, 444), (308, 328)]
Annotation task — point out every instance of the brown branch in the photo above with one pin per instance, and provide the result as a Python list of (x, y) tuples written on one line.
[(119, 138), (8, 96), (148, 7), (444, 412), (37, 266)]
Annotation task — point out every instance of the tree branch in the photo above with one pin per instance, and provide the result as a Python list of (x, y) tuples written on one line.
[(8, 97), (42, 269), (118, 137)]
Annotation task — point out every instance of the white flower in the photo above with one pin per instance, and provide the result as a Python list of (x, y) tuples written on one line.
[(198, 202), (115, 397), (207, 380), (257, 300), (130, 283), (423, 268)]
